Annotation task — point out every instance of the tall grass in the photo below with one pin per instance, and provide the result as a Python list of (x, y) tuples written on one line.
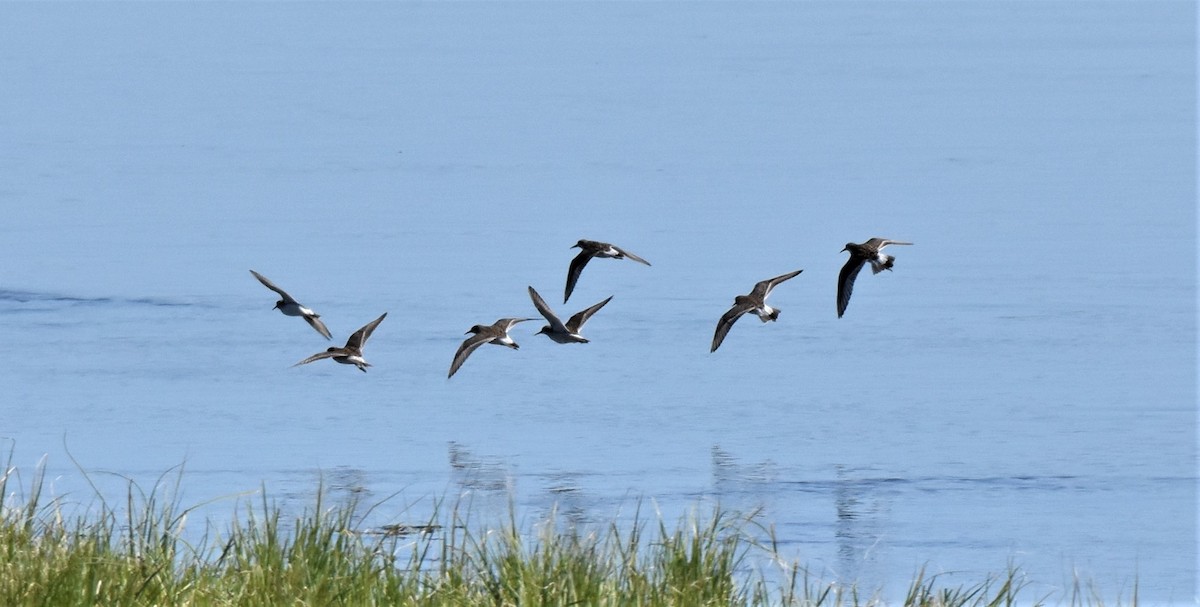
[(137, 555)]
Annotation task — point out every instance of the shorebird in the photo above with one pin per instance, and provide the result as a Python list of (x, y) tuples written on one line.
[(496, 333), (588, 250), (755, 302), (290, 307), (351, 353), (860, 254), (556, 330)]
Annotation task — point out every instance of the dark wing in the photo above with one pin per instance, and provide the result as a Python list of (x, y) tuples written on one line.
[(320, 355), (361, 336), (315, 322), (630, 255), (727, 321), (576, 322), (468, 346), (576, 268), (763, 288), (846, 281), (545, 310), (270, 285)]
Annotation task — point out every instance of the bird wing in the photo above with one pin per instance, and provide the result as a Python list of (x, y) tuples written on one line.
[(846, 281), (320, 355), (468, 346), (763, 289), (361, 336), (315, 322), (575, 323), (727, 321), (630, 255), (575, 270), (504, 324), (545, 310), (879, 243), (270, 285)]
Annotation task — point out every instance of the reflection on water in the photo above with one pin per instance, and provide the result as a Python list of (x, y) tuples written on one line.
[(567, 500), (475, 474), (730, 477), (346, 482), (858, 521), (859, 525), (48, 299), (559, 494)]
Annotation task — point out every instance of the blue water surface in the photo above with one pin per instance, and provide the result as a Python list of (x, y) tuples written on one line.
[(1021, 390)]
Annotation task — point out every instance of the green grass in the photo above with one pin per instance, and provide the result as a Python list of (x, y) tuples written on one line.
[(136, 554)]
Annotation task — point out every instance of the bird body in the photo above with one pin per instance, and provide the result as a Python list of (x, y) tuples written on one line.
[(495, 333), (351, 353), (755, 302), (290, 307), (587, 250), (870, 252), (559, 332)]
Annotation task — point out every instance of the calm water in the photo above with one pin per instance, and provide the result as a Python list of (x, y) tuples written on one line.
[(1022, 389)]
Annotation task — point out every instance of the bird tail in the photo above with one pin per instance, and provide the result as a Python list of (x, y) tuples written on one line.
[(886, 264)]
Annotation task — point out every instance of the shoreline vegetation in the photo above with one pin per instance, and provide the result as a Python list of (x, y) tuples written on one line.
[(136, 555)]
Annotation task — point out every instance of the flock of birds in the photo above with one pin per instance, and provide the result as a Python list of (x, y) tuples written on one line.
[(869, 252)]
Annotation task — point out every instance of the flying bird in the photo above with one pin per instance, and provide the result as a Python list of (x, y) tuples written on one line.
[(351, 353), (556, 330), (496, 333), (860, 254), (755, 302), (588, 250), (290, 307)]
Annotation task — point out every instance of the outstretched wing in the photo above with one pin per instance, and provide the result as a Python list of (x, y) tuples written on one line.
[(575, 270), (727, 321), (315, 322), (846, 281), (630, 255), (504, 324), (545, 310), (270, 285), (468, 346), (879, 243), (575, 323), (763, 288), (361, 336), (319, 356)]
